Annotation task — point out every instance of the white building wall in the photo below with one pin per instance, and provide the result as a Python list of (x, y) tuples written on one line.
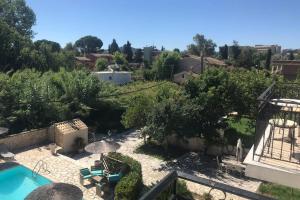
[(118, 78)]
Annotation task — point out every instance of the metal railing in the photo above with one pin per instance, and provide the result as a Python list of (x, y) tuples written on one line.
[(268, 109), (170, 181), (38, 166)]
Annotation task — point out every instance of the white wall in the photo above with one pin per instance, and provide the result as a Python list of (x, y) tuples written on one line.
[(119, 78)]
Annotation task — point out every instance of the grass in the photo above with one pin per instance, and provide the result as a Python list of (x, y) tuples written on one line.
[(278, 191), (160, 152), (243, 128), (243, 125)]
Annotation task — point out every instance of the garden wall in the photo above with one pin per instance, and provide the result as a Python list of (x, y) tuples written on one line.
[(26, 139), (198, 144)]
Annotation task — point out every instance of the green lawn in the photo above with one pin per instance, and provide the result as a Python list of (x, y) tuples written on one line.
[(279, 192), (243, 128), (159, 151)]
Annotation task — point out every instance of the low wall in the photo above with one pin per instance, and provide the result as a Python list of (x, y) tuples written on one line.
[(26, 139), (198, 144)]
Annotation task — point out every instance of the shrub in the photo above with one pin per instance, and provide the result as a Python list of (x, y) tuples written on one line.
[(130, 185)]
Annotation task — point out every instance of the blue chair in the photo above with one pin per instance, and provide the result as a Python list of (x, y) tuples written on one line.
[(84, 174), (97, 171), (114, 178)]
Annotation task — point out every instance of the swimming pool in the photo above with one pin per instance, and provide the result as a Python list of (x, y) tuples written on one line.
[(17, 182)]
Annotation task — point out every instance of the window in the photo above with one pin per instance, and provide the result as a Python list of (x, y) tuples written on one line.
[(110, 78)]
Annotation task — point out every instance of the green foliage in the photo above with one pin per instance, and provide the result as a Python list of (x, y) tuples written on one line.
[(181, 190), (166, 65), (243, 128), (176, 50), (11, 45), (156, 150), (268, 59), (127, 50), (89, 44), (224, 52), (291, 55), (202, 46), (236, 50), (101, 64), (138, 56), (29, 99), (54, 46), (18, 16), (137, 111), (130, 185), (120, 59), (278, 191), (113, 47)]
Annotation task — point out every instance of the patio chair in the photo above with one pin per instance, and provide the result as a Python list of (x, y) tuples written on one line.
[(84, 174), (5, 154), (97, 171), (114, 178)]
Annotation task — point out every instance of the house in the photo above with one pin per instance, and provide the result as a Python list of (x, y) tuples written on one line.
[(84, 61), (94, 56), (183, 76), (275, 49), (116, 77), (288, 68), (193, 63), (190, 66)]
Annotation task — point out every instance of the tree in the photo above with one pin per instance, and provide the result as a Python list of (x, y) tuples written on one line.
[(268, 59), (138, 56), (165, 65), (113, 47), (202, 46), (11, 45), (69, 47), (224, 52), (176, 50), (291, 55), (127, 50), (55, 47), (101, 64), (245, 58), (137, 112), (18, 16), (162, 48), (236, 51), (89, 44)]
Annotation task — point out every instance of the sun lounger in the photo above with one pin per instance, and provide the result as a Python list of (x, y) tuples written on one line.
[(4, 153)]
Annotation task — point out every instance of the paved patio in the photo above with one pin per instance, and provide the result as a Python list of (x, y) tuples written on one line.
[(66, 169)]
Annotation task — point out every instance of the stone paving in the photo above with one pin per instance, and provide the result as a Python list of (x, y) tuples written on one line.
[(66, 169), (153, 169), (61, 168)]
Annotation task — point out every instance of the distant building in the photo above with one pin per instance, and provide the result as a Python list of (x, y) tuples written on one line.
[(183, 76), (264, 48), (190, 66), (193, 63), (94, 56), (116, 77), (288, 68), (85, 61), (150, 53)]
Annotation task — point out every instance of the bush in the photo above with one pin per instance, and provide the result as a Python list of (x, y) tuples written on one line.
[(130, 185)]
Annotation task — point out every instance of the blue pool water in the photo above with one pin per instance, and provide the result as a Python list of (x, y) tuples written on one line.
[(17, 182)]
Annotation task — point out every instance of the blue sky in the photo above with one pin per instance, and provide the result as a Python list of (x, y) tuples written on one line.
[(171, 23)]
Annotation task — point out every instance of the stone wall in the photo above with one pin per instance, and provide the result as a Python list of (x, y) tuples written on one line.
[(26, 139), (198, 144)]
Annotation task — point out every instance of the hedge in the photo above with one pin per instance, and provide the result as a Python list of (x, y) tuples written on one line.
[(130, 185)]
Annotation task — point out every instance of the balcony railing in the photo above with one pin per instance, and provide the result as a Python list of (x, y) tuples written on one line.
[(168, 184), (277, 123)]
